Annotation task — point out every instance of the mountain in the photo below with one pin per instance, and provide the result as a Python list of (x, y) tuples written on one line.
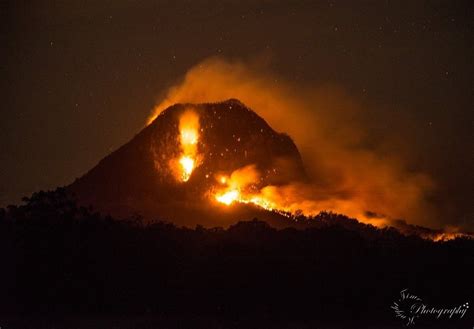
[(139, 178)]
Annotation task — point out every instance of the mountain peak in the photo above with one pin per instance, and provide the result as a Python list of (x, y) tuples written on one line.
[(159, 176)]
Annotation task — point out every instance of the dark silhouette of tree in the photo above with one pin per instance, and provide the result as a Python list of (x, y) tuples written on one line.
[(60, 259)]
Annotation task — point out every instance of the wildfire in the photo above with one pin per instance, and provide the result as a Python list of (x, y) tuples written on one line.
[(187, 166), (240, 187), (189, 136), (228, 197), (244, 186), (446, 236)]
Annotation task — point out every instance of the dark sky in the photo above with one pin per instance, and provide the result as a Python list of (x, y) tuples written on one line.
[(79, 78)]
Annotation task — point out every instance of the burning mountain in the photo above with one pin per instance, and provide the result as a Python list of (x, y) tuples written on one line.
[(205, 164), (211, 164)]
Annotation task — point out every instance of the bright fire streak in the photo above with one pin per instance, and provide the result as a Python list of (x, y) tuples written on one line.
[(228, 197), (236, 190), (187, 166), (188, 138), (232, 196)]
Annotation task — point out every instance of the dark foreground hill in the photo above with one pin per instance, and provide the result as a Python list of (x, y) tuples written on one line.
[(64, 266)]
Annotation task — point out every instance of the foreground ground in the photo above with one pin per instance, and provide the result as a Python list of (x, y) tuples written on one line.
[(67, 267)]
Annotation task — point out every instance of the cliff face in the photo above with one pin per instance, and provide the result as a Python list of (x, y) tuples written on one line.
[(137, 178)]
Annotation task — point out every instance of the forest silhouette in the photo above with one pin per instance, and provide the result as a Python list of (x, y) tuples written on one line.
[(60, 260)]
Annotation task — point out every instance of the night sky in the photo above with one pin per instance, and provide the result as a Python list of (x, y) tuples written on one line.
[(79, 78)]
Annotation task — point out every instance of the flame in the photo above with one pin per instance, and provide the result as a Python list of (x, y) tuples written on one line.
[(228, 197), (187, 164), (446, 236), (188, 137), (241, 187), (231, 196)]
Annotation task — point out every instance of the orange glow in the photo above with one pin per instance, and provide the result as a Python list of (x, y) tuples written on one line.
[(231, 196), (446, 236), (188, 137), (228, 197), (187, 166), (240, 188)]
